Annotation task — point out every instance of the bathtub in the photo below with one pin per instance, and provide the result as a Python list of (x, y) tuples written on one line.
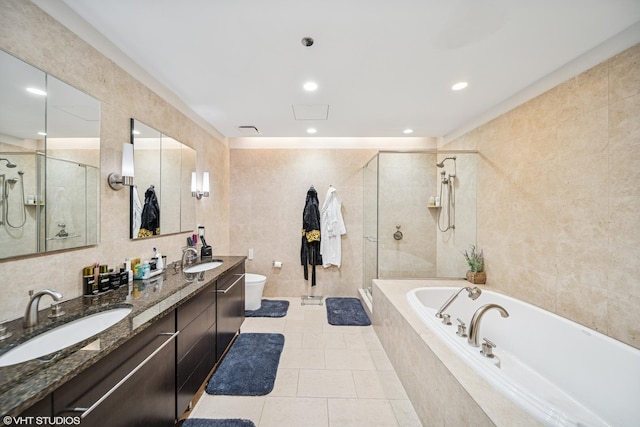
[(560, 372)]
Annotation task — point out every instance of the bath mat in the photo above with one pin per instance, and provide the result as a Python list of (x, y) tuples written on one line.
[(346, 312), (250, 366), (205, 422), (269, 308)]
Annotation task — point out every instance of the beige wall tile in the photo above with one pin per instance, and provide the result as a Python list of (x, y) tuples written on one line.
[(558, 197), (33, 36)]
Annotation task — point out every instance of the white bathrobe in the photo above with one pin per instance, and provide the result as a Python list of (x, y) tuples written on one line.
[(331, 228)]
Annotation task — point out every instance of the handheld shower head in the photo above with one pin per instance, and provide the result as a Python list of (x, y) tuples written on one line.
[(9, 164)]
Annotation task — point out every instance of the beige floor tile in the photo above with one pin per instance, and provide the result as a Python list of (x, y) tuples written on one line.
[(378, 385), (286, 382), (302, 326), (326, 383), (405, 414), (293, 339), (302, 358), (293, 412), (381, 360), (349, 359), (361, 412), (329, 376), (321, 340), (247, 407), (263, 324)]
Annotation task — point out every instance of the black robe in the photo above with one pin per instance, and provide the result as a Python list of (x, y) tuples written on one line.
[(150, 224), (310, 250)]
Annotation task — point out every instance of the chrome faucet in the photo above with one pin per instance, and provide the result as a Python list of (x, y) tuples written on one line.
[(189, 259), (474, 325), (31, 314), (474, 293)]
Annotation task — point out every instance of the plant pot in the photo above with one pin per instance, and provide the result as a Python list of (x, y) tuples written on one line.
[(479, 278)]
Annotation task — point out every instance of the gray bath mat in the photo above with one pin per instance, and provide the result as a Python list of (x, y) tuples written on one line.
[(346, 312), (204, 422), (269, 308), (250, 366)]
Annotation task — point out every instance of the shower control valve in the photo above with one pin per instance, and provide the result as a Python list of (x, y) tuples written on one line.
[(462, 329), (487, 348), (446, 319)]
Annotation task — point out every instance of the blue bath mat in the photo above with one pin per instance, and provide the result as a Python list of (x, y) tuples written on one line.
[(346, 312), (269, 308), (204, 422), (250, 366)]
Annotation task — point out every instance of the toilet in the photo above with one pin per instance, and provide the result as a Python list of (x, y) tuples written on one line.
[(253, 287)]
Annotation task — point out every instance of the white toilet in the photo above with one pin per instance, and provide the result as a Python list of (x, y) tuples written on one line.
[(253, 287)]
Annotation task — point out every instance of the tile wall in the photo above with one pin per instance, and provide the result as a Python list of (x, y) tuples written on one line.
[(268, 192), (31, 35), (559, 198)]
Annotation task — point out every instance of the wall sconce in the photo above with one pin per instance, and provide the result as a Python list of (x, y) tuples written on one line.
[(117, 181), (205, 186)]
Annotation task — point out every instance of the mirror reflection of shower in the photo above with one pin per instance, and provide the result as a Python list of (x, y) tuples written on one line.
[(446, 215), (10, 198)]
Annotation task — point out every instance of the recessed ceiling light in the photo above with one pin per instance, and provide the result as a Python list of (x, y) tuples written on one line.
[(310, 86), (36, 91), (407, 131), (312, 130), (459, 86)]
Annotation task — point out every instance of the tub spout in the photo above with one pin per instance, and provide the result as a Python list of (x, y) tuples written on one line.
[(474, 325), (474, 293)]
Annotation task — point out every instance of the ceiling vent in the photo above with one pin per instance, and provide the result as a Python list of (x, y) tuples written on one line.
[(248, 130), (311, 112)]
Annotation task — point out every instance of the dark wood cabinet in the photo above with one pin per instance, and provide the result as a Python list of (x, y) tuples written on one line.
[(132, 386), (230, 308), (151, 379), (196, 344)]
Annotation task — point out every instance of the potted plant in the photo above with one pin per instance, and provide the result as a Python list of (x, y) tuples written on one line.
[(475, 260)]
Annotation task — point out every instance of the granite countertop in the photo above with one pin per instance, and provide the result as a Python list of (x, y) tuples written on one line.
[(23, 384)]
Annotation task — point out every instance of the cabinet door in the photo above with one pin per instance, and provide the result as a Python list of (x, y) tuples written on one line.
[(133, 386), (196, 345), (230, 308)]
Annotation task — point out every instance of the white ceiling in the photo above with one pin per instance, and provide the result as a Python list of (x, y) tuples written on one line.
[(381, 65)]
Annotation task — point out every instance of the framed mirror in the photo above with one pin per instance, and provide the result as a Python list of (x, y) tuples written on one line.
[(49, 175), (161, 201)]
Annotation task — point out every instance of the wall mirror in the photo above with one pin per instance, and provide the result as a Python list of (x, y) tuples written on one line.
[(161, 201), (50, 158)]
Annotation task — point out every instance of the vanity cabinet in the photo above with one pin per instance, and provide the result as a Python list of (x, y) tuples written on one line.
[(132, 386), (230, 307), (196, 345)]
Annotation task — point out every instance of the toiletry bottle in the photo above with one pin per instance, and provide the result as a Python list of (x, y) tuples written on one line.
[(146, 270), (103, 278), (159, 261), (89, 281), (127, 267)]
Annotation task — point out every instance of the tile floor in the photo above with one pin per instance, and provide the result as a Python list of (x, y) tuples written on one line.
[(329, 376)]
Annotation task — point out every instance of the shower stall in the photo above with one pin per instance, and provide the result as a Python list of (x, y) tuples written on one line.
[(419, 214), (35, 217)]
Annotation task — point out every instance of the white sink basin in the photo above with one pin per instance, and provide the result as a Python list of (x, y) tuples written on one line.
[(199, 268), (63, 336)]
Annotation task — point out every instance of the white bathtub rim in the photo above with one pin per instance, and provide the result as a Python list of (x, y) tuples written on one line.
[(540, 409)]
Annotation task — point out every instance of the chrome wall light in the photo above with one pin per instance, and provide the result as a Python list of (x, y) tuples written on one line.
[(205, 186), (117, 181)]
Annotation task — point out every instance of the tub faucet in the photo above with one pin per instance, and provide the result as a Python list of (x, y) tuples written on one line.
[(31, 314), (474, 325), (474, 293)]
